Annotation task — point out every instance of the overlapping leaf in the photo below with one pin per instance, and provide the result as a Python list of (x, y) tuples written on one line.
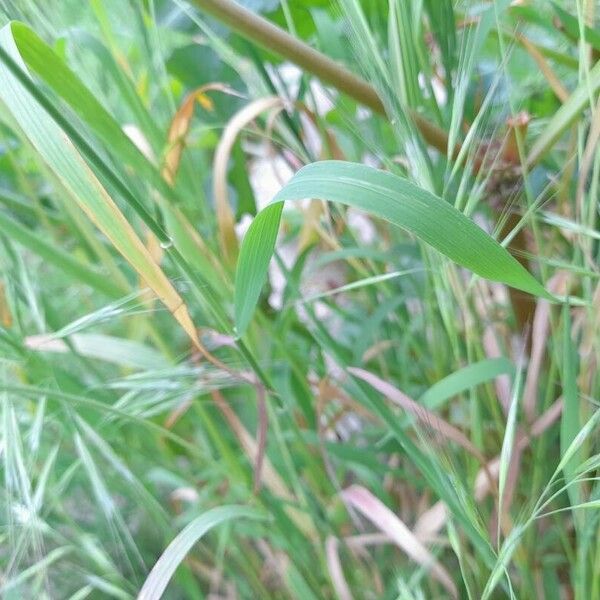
[(62, 158)]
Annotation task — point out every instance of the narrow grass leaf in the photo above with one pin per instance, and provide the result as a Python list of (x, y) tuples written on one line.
[(57, 257), (60, 155), (177, 550), (595, 504), (42, 60), (465, 379), (383, 195), (553, 80), (103, 408), (573, 28), (504, 558), (109, 348), (432, 520), (570, 421), (336, 572), (443, 26), (361, 283), (36, 569), (571, 450), (565, 116), (225, 217), (181, 123), (508, 443), (425, 416), (455, 542)]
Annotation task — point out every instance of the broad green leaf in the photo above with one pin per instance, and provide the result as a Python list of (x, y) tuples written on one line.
[(389, 197), (177, 550), (62, 158)]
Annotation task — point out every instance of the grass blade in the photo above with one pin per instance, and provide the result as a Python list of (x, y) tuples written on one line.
[(570, 424), (426, 417), (225, 217), (508, 442), (60, 259), (565, 116), (46, 64), (383, 195), (101, 347), (62, 158), (176, 551), (465, 379)]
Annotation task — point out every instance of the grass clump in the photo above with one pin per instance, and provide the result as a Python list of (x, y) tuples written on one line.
[(386, 388)]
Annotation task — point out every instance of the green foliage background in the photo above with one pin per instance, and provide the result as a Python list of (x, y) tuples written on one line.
[(315, 409)]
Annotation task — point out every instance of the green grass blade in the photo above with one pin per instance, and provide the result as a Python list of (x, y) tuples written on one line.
[(442, 23), (361, 283), (171, 558), (52, 557), (565, 116), (465, 379), (571, 27), (62, 158), (107, 348), (59, 258), (570, 424), (389, 197), (508, 443), (46, 64), (504, 557), (570, 451)]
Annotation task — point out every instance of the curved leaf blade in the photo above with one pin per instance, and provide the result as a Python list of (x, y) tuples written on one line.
[(386, 196), (177, 550)]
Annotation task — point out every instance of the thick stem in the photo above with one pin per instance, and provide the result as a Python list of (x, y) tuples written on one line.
[(273, 38)]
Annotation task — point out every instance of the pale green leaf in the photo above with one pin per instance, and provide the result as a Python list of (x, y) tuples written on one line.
[(565, 116), (41, 59)]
